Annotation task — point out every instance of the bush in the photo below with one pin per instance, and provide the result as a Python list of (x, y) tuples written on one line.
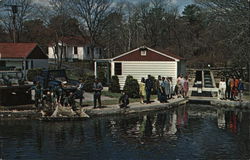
[(115, 86), (131, 87), (32, 73), (88, 82)]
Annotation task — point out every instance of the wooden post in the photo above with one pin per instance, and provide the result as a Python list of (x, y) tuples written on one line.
[(112, 69), (95, 68)]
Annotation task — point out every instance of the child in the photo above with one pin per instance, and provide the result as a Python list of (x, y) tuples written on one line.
[(124, 100)]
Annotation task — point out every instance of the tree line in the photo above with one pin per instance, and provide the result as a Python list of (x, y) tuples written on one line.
[(215, 32)]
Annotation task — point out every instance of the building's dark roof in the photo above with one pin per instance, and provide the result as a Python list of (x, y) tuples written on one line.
[(21, 50)]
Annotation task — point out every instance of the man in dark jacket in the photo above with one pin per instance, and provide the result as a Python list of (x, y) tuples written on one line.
[(124, 100), (148, 86), (97, 88)]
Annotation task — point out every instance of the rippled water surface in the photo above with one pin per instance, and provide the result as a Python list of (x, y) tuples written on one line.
[(187, 132)]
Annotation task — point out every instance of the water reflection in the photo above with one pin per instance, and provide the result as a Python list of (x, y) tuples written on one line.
[(201, 132)]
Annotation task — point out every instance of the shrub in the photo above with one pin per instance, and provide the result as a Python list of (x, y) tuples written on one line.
[(32, 73), (131, 87), (115, 86)]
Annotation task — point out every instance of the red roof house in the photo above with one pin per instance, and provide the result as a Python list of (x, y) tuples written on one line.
[(22, 56)]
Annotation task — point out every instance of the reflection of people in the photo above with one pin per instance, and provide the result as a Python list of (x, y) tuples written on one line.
[(221, 118), (142, 90), (97, 88), (185, 86), (124, 100)]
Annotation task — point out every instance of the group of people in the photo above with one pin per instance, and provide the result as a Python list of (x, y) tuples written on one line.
[(60, 94), (164, 87), (231, 88), (57, 94)]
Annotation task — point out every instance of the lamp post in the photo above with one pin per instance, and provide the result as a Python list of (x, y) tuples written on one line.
[(14, 9)]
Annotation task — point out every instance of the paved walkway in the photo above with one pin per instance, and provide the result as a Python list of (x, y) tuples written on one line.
[(88, 97), (133, 108)]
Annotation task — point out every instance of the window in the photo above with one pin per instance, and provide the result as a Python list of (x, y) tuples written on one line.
[(26, 65), (32, 64), (2, 64), (118, 68), (143, 52), (88, 50), (75, 50)]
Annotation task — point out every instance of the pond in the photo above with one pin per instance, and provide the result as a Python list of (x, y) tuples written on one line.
[(187, 132)]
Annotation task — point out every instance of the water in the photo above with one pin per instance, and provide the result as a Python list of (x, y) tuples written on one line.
[(188, 132)]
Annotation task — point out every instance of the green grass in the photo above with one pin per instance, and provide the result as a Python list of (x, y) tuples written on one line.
[(111, 95)]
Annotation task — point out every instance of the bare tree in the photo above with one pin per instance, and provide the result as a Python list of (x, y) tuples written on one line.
[(55, 16), (92, 14)]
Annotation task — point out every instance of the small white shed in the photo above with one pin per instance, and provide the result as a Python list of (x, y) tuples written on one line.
[(144, 61)]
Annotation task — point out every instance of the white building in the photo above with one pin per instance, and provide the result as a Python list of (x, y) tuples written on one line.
[(74, 48), (144, 61), (22, 56)]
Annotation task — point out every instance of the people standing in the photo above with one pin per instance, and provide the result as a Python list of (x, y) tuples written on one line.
[(228, 88), (80, 91), (240, 89), (165, 89), (124, 100), (97, 88), (158, 87), (222, 89), (232, 88), (236, 84), (38, 94), (148, 86), (185, 87), (59, 93), (142, 90), (171, 87)]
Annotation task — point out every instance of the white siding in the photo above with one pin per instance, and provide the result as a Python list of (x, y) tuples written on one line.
[(143, 69), (51, 53), (80, 53), (17, 64)]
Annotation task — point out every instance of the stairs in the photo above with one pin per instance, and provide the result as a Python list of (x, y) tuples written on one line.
[(208, 83)]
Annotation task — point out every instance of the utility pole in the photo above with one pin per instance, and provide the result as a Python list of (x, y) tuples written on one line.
[(248, 63), (14, 9)]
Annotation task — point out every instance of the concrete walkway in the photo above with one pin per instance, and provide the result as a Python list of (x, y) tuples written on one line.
[(133, 108), (88, 97)]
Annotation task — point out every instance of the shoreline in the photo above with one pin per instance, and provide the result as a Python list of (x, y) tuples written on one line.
[(16, 112)]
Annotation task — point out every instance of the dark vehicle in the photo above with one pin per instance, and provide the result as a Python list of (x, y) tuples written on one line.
[(13, 89), (51, 78)]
